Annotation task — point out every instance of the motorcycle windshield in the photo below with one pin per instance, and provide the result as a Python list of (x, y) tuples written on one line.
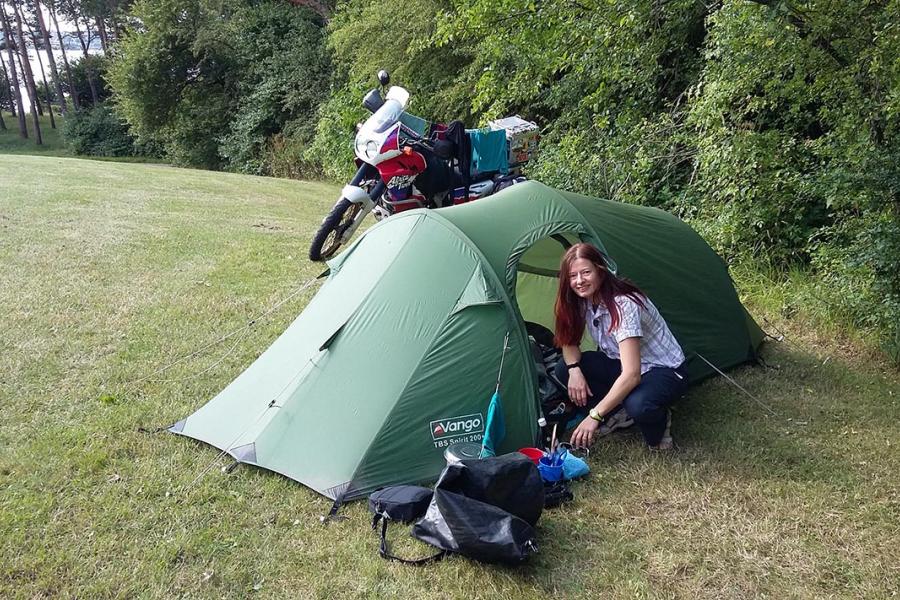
[(384, 117)]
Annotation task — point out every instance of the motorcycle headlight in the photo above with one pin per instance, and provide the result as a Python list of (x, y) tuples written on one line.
[(367, 148)]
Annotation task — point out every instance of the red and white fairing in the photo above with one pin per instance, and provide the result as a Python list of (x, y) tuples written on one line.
[(378, 139)]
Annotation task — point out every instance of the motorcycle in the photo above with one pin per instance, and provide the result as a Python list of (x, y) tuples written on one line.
[(401, 167)]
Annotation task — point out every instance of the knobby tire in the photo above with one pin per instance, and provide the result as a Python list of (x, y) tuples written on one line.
[(327, 239)]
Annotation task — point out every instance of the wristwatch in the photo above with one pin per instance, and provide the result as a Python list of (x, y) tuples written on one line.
[(595, 415), (573, 365)]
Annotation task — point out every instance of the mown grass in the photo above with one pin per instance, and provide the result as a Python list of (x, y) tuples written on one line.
[(113, 270), (52, 142)]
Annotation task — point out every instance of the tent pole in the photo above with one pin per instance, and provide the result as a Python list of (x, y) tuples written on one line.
[(502, 356)]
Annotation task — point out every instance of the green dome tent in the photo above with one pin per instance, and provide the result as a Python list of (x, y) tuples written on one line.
[(396, 356)]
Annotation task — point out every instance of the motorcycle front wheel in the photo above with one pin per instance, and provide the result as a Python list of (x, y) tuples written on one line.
[(328, 238)]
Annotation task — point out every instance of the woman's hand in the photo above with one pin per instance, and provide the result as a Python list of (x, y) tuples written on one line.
[(578, 388), (583, 435)]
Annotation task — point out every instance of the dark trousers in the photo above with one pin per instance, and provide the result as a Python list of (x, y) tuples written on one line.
[(647, 404)]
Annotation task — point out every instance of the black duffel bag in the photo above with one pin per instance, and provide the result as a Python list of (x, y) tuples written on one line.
[(404, 504), (485, 509)]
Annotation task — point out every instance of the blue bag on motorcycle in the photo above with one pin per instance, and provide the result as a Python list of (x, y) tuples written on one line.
[(489, 151)]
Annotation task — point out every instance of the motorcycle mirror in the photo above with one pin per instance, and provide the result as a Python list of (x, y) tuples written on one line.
[(373, 100), (384, 78)]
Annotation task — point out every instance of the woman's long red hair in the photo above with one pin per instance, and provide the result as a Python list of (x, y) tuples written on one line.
[(569, 308)]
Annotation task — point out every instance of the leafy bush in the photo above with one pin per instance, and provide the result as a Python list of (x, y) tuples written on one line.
[(98, 132), (85, 69), (213, 81), (332, 146), (284, 78), (365, 36), (174, 77), (285, 156), (857, 265)]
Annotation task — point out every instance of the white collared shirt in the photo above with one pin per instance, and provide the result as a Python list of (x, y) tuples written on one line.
[(659, 348)]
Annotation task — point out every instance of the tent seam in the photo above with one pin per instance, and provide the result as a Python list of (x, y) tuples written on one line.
[(584, 222), (508, 304), (362, 301), (423, 214)]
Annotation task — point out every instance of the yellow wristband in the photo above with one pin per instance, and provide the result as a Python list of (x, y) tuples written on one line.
[(595, 415)]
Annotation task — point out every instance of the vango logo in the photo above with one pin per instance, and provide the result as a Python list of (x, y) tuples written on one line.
[(466, 424)]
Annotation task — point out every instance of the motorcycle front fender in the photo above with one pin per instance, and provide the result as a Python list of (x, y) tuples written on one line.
[(358, 195)]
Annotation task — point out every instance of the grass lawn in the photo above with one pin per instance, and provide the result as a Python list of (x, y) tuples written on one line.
[(52, 141), (111, 270), (11, 143)]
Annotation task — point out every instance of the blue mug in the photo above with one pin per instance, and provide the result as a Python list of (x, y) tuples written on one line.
[(550, 472)]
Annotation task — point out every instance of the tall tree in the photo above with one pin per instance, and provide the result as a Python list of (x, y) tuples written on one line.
[(7, 86), (39, 107), (2, 88), (62, 49), (47, 92), (75, 13), (29, 77), (54, 73), (101, 30), (14, 79)]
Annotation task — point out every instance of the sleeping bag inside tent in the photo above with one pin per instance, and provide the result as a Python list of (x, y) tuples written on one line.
[(396, 356)]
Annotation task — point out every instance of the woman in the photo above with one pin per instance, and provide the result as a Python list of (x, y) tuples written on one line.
[(638, 367)]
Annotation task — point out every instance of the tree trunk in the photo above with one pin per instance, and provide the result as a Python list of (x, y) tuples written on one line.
[(95, 97), (62, 48), (29, 79), (101, 29), (24, 78), (9, 84), (84, 45), (4, 88), (50, 58), (34, 41), (14, 82), (115, 27), (2, 122), (30, 87)]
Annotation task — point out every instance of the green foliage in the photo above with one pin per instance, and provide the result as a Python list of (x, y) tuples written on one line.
[(857, 265), (93, 66), (172, 78), (98, 132), (46, 91), (285, 156), (772, 126), (607, 80), (7, 101), (285, 77), (213, 81), (795, 124), (332, 147), (367, 35)]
